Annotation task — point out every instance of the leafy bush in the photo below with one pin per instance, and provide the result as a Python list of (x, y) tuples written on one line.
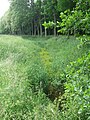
[(85, 41), (77, 87), (76, 21)]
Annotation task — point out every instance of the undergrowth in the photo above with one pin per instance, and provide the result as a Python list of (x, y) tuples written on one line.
[(32, 77)]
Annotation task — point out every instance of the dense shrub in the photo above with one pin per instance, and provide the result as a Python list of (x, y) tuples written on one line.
[(85, 41), (77, 87)]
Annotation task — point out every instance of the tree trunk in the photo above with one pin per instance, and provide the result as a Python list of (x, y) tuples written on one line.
[(32, 28), (45, 32), (54, 25), (40, 29), (35, 29)]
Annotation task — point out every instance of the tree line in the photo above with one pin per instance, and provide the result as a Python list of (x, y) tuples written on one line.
[(49, 17)]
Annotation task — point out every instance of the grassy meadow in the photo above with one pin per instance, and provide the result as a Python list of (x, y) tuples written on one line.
[(28, 67)]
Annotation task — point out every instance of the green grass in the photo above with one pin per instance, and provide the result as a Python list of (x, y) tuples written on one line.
[(26, 63)]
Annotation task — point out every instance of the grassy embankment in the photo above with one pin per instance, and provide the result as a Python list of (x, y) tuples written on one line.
[(27, 66)]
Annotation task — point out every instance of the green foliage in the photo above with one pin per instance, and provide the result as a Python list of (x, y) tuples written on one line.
[(85, 41), (49, 24), (29, 65), (65, 4), (27, 16), (76, 21), (39, 80), (77, 85), (78, 88)]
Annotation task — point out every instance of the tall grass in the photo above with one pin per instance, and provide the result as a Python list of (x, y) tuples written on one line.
[(27, 66)]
